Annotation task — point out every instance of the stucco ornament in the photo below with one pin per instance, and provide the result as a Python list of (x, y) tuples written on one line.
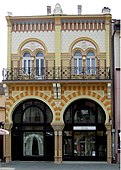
[(57, 9), (84, 45)]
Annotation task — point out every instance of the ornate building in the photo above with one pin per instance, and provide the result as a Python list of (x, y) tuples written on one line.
[(58, 87)]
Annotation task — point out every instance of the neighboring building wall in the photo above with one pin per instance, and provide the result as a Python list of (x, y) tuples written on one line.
[(2, 119), (117, 85)]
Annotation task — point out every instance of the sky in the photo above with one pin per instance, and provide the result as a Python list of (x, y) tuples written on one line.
[(39, 7)]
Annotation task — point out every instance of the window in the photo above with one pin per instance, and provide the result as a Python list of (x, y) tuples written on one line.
[(84, 112), (77, 63), (33, 144), (90, 63), (39, 65), (33, 115), (26, 63)]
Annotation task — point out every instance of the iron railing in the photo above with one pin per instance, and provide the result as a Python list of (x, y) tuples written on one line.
[(56, 73)]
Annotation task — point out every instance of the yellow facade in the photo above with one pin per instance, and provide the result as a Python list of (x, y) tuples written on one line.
[(70, 90)]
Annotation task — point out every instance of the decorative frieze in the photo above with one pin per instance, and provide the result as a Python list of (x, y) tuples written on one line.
[(75, 25), (25, 26)]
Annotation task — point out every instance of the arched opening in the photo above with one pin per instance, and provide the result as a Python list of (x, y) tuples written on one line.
[(84, 134), (32, 133)]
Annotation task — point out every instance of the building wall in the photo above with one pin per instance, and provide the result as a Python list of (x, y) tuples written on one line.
[(58, 40), (69, 93)]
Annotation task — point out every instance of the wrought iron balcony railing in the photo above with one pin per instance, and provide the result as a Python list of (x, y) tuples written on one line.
[(56, 73)]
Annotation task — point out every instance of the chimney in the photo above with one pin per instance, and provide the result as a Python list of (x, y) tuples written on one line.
[(48, 10), (106, 10), (79, 9)]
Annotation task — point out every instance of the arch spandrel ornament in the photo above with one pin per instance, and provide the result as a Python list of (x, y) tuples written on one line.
[(32, 46), (84, 45)]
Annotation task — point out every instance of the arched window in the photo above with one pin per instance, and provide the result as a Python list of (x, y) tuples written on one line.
[(77, 63), (91, 63), (33, 115), (39, 65), (84, 112), (26, 63)]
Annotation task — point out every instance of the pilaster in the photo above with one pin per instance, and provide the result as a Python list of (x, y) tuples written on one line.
[(7, 143), (109, 143), (9, 42), (58, 127), (57, 42)]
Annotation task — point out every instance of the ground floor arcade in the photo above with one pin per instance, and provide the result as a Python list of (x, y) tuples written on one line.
[(81, 136)]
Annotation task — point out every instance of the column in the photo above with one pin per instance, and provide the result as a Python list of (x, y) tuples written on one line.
[(107, 39), (9, 41), (109, 143), (57, 48), (58, 127), (7, 143)]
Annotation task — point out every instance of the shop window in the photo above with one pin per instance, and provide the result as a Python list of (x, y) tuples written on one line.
[(33, 144), (84, 144)]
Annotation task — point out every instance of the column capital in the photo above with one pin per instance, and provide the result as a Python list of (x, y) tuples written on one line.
[(108, 126), (58, 126)]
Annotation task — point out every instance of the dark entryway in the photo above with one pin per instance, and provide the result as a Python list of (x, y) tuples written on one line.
[(32, 134), (84, 134)]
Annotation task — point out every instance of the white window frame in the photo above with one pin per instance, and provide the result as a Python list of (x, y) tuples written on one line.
[(77, 66), (40, 70), (90, 69)]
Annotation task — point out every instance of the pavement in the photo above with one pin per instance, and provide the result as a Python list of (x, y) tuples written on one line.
[(36, 165)]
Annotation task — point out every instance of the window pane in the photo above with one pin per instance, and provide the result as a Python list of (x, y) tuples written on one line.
[(84, 144), (33, 115), (42, 66), (40, 54), (67, 146), (90, 54), (80, 66), (37, 67), (77, 54), (26, 54)]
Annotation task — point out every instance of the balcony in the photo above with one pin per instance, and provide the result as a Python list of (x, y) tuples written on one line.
[(56, 74)]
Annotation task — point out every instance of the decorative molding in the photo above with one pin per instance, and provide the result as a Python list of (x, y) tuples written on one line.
[(32, 46), (67, 93), (57, 103), (99, 92), (109, 90), (84, 45), (57, 90), (15, 93), (48, 93), (6, 91)]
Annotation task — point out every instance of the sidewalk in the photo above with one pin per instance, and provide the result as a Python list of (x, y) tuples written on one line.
[(36, 165)]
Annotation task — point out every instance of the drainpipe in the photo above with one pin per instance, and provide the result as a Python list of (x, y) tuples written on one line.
[(113, 95)]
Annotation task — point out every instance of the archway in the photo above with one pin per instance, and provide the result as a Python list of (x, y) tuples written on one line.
[(84, 134), (32, 133)]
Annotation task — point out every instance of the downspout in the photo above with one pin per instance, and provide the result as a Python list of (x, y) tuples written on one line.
[(113, 97)]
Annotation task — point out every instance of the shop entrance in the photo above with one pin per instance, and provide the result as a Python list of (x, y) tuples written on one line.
[(84, 134), (32, 134)]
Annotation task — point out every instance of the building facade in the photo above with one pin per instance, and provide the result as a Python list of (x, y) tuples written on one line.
[(116, 88), (58, 87)]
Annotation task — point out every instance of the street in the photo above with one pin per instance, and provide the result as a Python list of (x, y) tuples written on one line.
[(21, 165)]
